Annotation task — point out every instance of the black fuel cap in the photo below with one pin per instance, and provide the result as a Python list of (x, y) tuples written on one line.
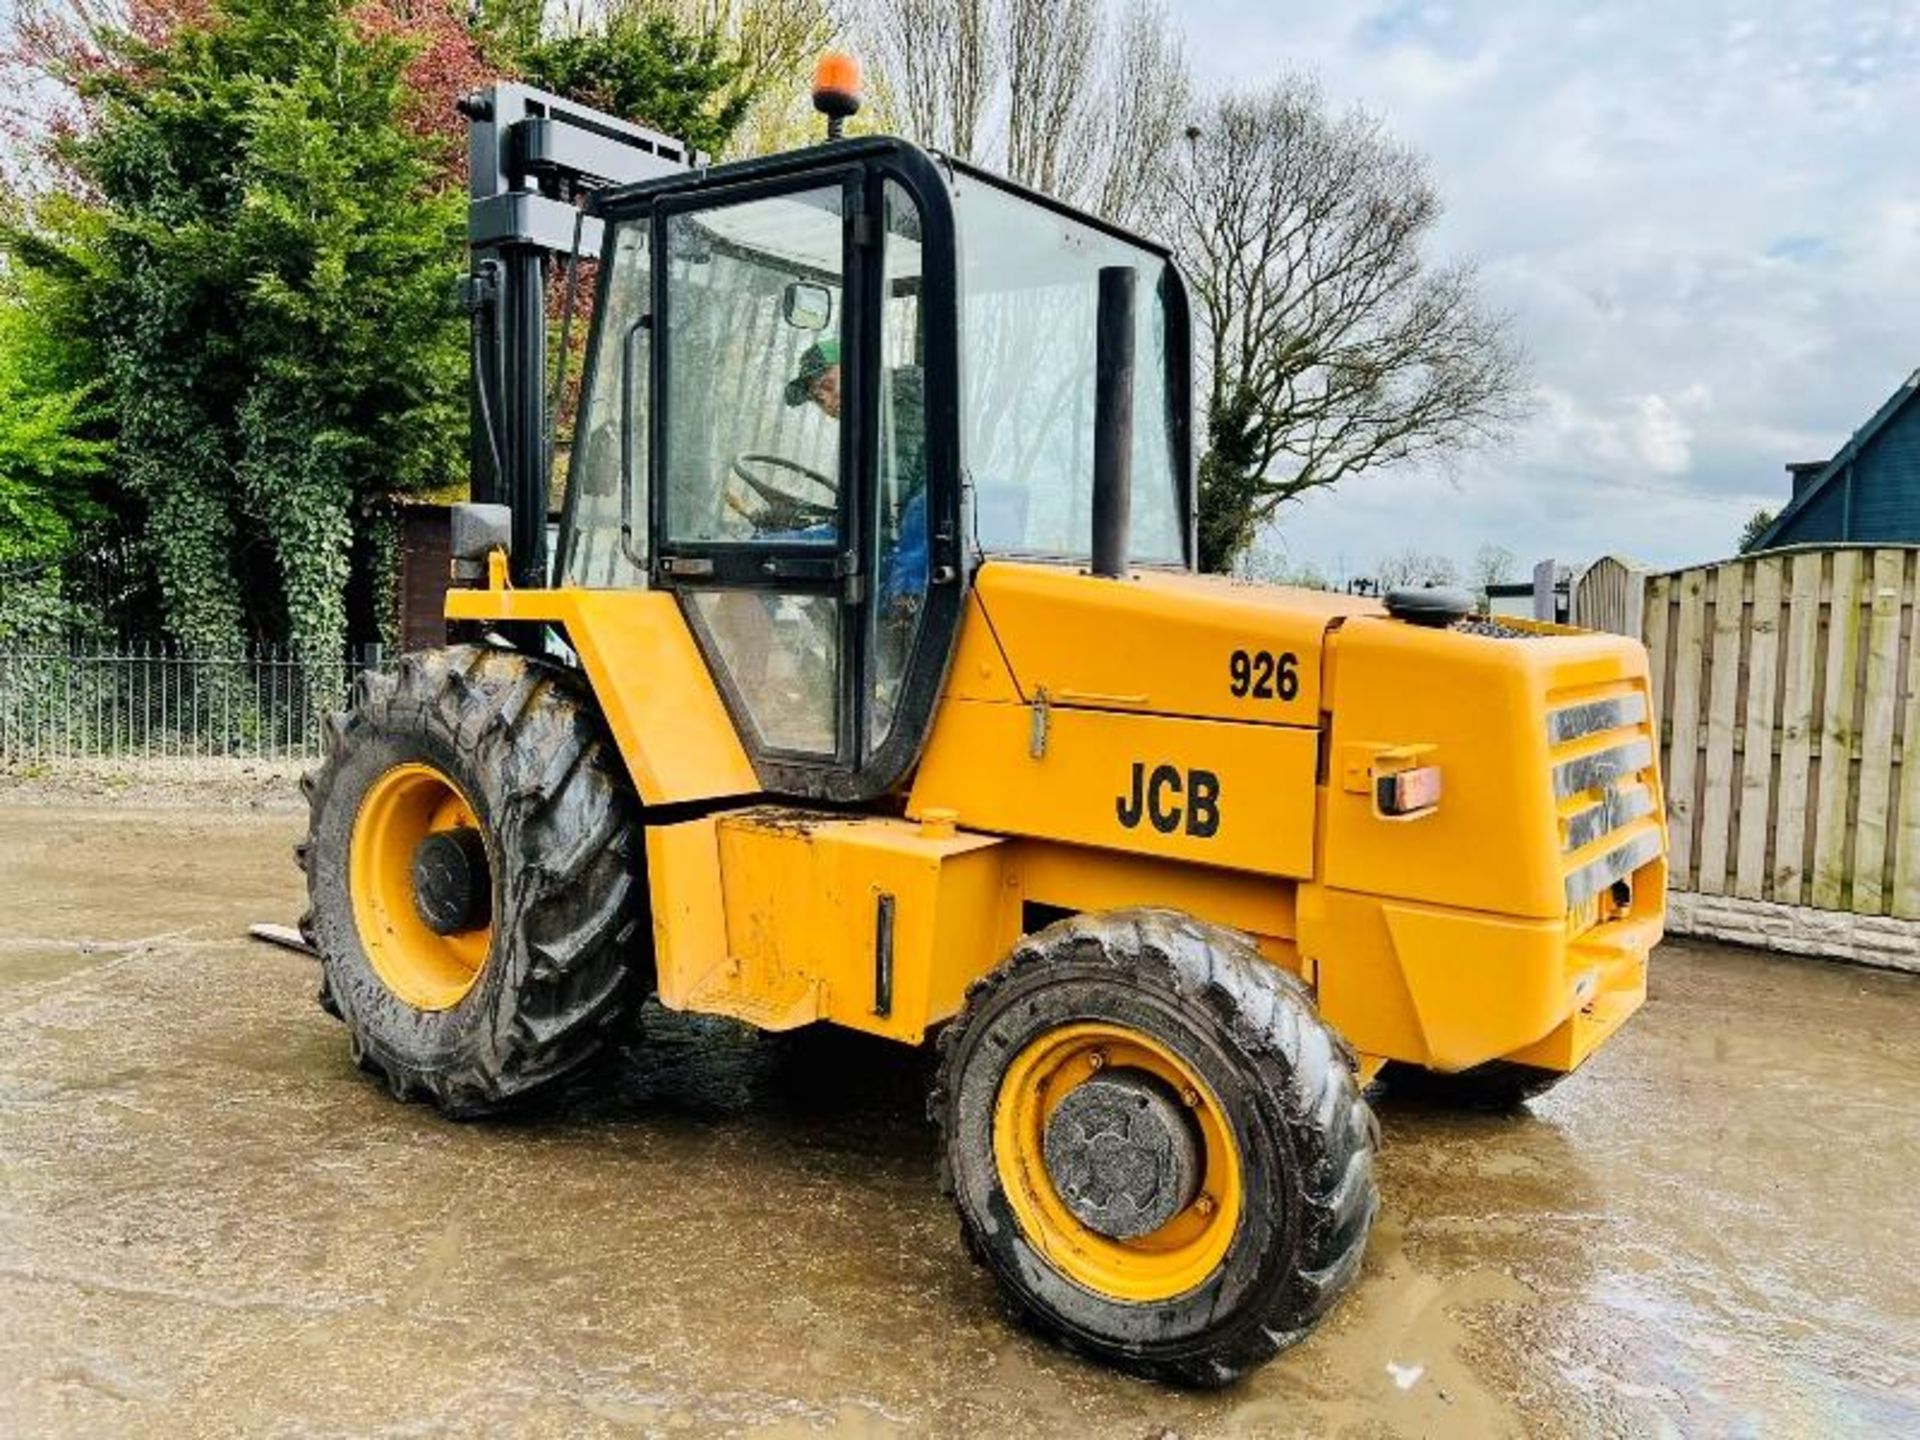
[(1434, 605)]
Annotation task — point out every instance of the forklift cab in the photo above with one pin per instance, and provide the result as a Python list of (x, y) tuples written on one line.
[(822, 389)]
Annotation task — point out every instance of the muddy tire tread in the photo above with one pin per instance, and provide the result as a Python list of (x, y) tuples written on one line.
[(566, 817), (1273, 1023)]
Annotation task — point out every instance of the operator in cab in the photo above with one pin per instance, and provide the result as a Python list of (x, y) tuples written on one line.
[(903, 515)]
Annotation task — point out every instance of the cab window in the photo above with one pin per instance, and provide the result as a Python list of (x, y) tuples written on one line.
[(900, 524), (752, 447), (1029, 305), (613, 422)]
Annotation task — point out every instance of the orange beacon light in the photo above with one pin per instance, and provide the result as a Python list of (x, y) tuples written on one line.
[(836, 89)]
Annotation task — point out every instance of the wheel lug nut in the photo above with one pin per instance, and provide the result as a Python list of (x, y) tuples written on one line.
[(1097, 1060), (1204, 1204), (1190, 1097)]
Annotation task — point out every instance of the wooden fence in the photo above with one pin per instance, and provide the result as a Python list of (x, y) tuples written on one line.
[(1611, 594), (1788, 685)]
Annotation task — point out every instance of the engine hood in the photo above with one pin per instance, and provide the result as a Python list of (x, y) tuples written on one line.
[(1163, 642)]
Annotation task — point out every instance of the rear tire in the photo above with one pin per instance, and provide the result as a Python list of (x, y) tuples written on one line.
[(1498, 1087), (523, 757), (1284, 1141)]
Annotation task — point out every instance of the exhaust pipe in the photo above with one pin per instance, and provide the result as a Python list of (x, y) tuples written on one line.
[(1113, 422)]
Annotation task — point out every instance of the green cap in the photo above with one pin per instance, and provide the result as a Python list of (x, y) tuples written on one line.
[(819, 357)]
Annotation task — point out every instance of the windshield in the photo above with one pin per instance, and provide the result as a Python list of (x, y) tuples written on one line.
[(1029, 304), (747, 458)]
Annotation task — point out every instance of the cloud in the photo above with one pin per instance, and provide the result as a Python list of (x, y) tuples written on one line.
[(1635, 434), (1704, 218)]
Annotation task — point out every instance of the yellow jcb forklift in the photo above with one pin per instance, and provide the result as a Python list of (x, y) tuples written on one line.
[(870, 682)]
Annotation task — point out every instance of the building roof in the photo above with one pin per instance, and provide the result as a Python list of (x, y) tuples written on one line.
[(1908, 392)]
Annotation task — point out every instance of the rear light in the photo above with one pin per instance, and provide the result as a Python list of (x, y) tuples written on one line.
[(1406, 793)]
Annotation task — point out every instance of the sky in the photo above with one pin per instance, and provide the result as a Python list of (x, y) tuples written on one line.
[(1702, 216)]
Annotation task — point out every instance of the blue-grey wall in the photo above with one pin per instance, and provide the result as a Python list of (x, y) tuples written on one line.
[(1885, 488)]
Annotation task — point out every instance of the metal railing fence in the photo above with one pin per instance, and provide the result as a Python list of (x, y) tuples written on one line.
[(90, 700)]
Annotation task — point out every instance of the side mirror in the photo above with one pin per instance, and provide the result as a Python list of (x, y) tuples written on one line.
[(807, 306)]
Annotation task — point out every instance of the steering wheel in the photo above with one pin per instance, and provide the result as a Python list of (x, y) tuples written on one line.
[(786, 506)]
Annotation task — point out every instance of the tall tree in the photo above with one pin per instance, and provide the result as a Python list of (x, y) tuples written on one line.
[(640, 64), (727, 76), (1051, 47), (1329, 345), (253, 208), (940, 61), (1138, 126), (776, 43), (53, 459), (52, 454), (265, 265), (1080, 98)]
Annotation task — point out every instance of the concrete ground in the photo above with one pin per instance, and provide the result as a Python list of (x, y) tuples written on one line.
[(210, 1223)]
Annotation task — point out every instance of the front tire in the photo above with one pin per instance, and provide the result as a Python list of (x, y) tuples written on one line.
[(473, 876), (1203, 1203)]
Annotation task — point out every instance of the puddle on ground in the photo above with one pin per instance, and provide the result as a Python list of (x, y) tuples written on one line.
[(27, 967), (210, 1221)]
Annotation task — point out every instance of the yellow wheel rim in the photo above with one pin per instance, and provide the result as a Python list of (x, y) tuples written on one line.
[(1161, 1264), (401, 808)]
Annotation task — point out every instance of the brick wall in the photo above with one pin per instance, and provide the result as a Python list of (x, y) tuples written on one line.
[(1879, 940)]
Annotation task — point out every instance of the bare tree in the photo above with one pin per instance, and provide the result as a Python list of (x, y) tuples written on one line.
[(1329, 345), (1050, 48), (1276, 567), (1413, 567), (939, 60), (1492, 565), (1148, 94), (1083, 99)]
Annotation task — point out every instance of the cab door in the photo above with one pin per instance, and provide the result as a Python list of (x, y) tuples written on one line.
[(757, 522), (802, 460)]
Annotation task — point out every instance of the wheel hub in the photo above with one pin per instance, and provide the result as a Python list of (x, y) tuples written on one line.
[(422, 894), (1122, 1153), (451, 888)]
